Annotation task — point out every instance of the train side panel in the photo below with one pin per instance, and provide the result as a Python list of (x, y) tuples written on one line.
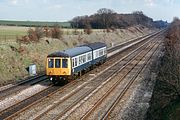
[(99, 55), (81, 62)]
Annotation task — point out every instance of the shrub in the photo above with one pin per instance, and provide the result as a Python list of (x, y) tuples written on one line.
[(88, 29), (108, 30), (39, 32), (47, 32), (25, 39), (56, 32), (32, 35)]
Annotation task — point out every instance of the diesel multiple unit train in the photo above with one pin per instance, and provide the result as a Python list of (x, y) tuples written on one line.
[(64, 65)]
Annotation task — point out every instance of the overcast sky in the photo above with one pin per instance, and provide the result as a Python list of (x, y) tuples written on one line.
[(64, 10)]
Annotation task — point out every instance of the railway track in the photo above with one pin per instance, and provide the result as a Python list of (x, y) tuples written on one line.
[(89, 104), (21, 85), (67, 96), (8, 112), (13, 89), (118, 90), (119, 102)]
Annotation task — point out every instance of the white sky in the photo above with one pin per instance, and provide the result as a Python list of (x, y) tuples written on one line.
[(64, 10)]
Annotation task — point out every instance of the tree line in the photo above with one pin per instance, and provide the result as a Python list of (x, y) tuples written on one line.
[(107, 18)]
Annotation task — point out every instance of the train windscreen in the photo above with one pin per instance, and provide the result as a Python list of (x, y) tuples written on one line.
[(57, 63)]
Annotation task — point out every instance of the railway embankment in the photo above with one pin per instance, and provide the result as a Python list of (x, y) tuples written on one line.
[(15, 57), (165, 101)]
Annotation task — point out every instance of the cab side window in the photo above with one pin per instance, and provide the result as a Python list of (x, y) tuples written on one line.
[(50, 63), (64, 63)]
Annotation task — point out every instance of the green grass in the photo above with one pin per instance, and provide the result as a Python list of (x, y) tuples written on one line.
[(9, 33), (34, 23), (12, 32)]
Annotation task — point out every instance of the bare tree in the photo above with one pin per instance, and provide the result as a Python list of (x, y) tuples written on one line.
[(138, 12), (106, 17)]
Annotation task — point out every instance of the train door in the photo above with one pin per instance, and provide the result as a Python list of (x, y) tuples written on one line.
[(66, 66)]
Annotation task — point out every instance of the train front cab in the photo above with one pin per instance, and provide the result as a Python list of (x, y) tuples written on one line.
[(58, 68)]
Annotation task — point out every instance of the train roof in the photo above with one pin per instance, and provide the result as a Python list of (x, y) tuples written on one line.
[(95, 45), (71, 52)]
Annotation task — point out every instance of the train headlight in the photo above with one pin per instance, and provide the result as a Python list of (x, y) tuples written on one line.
[(51, 78)]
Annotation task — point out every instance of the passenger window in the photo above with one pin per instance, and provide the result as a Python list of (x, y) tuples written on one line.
[(89, 56), (105, 52), (79, 60), (97, 54), (75, 61), (50, 63), (100, 52), (64, 63), (84, 58), (72, 62), (57, 63)]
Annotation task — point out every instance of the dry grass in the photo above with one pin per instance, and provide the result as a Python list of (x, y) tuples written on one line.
[(16, 57)]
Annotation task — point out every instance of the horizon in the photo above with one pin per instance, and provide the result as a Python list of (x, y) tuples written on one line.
[(64, 11)]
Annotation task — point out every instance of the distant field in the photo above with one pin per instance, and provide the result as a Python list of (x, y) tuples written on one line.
[(34, 23), (13, 30), (10, 33)]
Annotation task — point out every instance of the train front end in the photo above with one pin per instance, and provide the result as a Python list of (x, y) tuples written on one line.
[(58, 68)]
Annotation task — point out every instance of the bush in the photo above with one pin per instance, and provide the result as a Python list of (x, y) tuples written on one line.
[(47, 32), (108, 30), (25, 39), (32, 35), (56, 32), (39, 32), (88, 29)]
